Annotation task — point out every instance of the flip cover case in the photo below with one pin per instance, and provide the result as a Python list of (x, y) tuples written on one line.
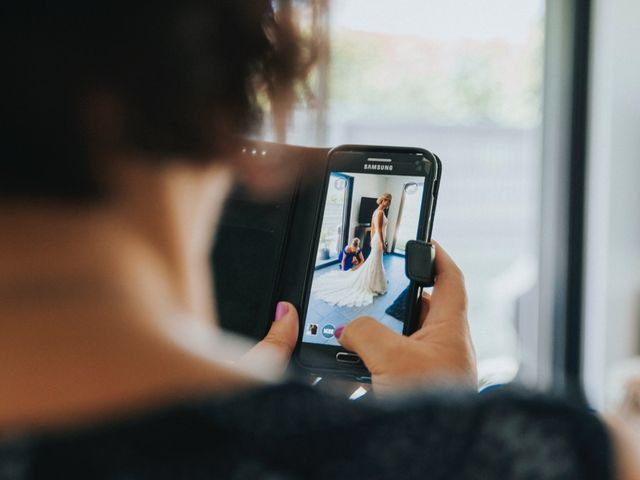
[(262, 248)]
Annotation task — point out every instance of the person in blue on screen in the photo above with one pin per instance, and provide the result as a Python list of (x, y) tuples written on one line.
[(351, 256)]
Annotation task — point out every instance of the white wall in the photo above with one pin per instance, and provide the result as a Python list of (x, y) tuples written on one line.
[(612, 298)]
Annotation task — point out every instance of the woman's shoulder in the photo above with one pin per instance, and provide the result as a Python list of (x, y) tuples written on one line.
[(292, 430)]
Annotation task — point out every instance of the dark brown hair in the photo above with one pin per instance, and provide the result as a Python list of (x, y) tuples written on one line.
[(187, 76)]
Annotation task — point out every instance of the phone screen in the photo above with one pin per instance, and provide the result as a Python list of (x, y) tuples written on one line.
[(371, 211)]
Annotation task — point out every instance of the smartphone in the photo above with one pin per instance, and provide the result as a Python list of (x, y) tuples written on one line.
[(374, 200)]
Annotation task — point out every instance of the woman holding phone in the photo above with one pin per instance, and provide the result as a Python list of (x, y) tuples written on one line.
[(119, 131)]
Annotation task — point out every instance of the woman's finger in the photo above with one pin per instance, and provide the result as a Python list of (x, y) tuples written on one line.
[(449, 297)]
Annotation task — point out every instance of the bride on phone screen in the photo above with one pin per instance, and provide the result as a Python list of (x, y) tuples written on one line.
[(356, 288)]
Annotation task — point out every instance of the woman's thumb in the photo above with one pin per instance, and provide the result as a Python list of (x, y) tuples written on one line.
[(283, 333), (274, 351)]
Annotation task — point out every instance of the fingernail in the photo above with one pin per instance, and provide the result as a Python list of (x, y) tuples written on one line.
[(338, 331), (281, 310)]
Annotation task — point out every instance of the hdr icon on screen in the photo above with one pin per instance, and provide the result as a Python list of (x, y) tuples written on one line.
[(327, 330)]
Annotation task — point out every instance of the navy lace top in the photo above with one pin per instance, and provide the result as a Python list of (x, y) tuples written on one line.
[(292, 431), (348, 258)]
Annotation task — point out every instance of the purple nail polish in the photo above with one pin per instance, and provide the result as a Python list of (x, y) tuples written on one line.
[(338, 331), (281, 310)]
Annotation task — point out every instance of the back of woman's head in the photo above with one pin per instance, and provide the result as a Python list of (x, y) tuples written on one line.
[(158, 79)]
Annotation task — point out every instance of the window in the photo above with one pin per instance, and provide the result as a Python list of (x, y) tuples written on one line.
[(463, 79), (332, 237)]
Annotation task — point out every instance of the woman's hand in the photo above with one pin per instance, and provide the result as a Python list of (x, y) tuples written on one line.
[(272, 353), (440, 351), (626, 447)]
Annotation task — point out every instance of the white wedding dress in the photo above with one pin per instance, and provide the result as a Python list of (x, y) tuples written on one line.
[(355, 288)]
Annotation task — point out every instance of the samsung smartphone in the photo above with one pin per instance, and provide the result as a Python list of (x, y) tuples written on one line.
[(375, 199)]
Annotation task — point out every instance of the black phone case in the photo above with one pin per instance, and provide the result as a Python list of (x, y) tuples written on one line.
[(263, 249)]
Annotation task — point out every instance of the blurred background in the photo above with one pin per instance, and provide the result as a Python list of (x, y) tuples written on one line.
[(534, 109)]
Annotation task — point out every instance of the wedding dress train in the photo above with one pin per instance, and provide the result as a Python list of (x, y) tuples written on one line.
[(355, 288)]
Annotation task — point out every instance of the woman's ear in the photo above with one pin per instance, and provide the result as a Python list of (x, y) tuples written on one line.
[(271, 170), (266, 173)]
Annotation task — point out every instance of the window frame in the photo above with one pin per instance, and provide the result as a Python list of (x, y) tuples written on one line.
[(562, 221)]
